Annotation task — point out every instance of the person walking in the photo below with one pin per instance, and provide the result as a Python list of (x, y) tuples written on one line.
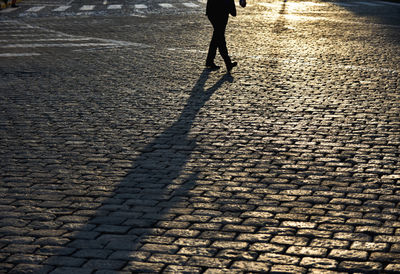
[(218, 12), (13, 3)]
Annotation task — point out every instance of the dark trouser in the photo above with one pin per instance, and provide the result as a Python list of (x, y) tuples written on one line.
[(218, 41)]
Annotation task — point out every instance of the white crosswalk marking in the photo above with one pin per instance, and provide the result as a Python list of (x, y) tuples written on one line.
[(371, 4), (87, 7), (19, 54), (391, 3), (166, 5), (35, 9), (62, 8), (114, 7), (26, 37), (190, 5), (268, 5), (7, 10), (140, 6), (74, 9), (344, 4)]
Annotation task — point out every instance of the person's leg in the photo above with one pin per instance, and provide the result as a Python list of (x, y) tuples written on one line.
[(14, 3), (212, 50), (220, 28)]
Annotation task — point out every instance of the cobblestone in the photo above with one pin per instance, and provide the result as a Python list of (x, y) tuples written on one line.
[(120, 153)]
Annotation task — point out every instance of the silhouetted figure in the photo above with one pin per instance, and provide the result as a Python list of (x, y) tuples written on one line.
[(218, 12), (13, 3)]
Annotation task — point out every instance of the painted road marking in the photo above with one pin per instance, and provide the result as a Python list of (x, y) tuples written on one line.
[(87, 7), (391, 3), (190, 5), (35, 9), (114, 7), (8, 10), (62, 8), (40, 37), (140, 6), (19, 54), (343, 4), (166, 5), (369, 4), (54, 45), (267, 5)]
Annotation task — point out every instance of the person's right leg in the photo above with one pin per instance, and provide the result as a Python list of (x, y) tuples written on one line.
[(212, 50), (219, 29)]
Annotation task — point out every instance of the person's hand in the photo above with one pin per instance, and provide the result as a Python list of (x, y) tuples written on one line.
[(242, 3)]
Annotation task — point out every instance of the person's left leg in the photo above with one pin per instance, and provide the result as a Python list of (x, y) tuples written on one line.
[(221, 42)]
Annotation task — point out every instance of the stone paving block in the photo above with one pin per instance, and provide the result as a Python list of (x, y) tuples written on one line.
[(31, 268), (363, 267), (192, 242), (324, 271), (216, 235), (387, 239), (385, 257), (20, 248), (275, 258), (92, 253), (104, 264), (345, 254), (234, 254), (307, 251), (51, 250), (200, 251), (170, 249), (128, 255), (64, 261), (322, 263), (299, 225), (168, 259), (314, 233), (329, 243), (26, 259), (287, 269), (5, 267), (369, 246), (107, 271), (229, 244), (187, 233), (77, 270), (208, 226), (251, 266), (143, 267), (222, 271), (374, 230), (392, 268), (208, 262), (267, 247), (226, 220), (182, 269), (394, 248), (352, 236), (290, 240)]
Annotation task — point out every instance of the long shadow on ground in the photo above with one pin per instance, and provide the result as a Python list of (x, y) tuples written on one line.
[(154, 185)]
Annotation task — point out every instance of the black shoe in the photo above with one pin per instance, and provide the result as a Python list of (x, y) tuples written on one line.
[(14, 6), (212, 66), (230, 66)]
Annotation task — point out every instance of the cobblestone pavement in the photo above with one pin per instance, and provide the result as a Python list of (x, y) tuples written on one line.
[(120, 154)]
